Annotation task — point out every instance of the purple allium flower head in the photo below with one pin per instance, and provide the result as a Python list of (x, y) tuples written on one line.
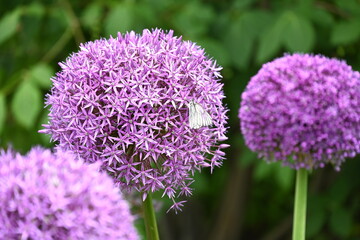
[(305, 107), (125, 102), (53, 196)]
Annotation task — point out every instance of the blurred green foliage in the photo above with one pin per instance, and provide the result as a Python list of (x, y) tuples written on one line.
[(246, 198)]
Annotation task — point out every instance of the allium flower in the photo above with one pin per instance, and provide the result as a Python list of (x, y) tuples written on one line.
[(48, 196), (125, 102), (304, 106)]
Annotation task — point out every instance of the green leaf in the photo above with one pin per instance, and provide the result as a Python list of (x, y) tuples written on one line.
[(299, 35), (321, 17), (339, 191), (26, 104), (239, 43), (241, 36), (263, 170), (40, 74), (194, 19), (242, 4), (345, 32), (271, 40), (145, 16), (201, 184), (257, 21), (316, 216), (215, 50), (285, 177), (340, 222), (35, 9), (247, 157), (92, 15), (2, 111), (8, 25), (120, 19), (349, 6)]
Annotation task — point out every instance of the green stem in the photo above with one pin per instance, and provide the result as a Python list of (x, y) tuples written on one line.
[(300, 205), (150, 219)]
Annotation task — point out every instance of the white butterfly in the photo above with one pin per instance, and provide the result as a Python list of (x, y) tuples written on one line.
[(198, 116)]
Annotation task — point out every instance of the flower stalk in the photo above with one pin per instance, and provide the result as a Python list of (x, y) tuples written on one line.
[(150, 219), (299, 221)]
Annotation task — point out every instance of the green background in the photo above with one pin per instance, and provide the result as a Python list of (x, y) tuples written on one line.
[(246, 198)]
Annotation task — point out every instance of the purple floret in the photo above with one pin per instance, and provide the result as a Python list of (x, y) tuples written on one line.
[(54, 196), (303, 110), (124, 102)]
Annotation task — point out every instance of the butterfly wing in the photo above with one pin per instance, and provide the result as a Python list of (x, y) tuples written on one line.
[(198, 116)]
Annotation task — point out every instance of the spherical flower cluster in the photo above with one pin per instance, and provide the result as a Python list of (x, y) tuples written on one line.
[(48, 196), (125, 102), (303, 110)]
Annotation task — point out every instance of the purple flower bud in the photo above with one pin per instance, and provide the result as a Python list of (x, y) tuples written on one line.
[(125, 102), (54, 196), (303, 106)]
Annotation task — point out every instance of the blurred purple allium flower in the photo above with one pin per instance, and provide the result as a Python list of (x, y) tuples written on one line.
[(303, 106), (56, 197), (125, 102)]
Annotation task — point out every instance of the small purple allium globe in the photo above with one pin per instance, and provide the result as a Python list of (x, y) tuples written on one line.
[(126, 102), (53, 196), (303, 110)]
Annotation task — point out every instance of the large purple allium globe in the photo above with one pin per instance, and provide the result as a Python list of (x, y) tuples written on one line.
[(303, 110), (46, 196), (126, 102)]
